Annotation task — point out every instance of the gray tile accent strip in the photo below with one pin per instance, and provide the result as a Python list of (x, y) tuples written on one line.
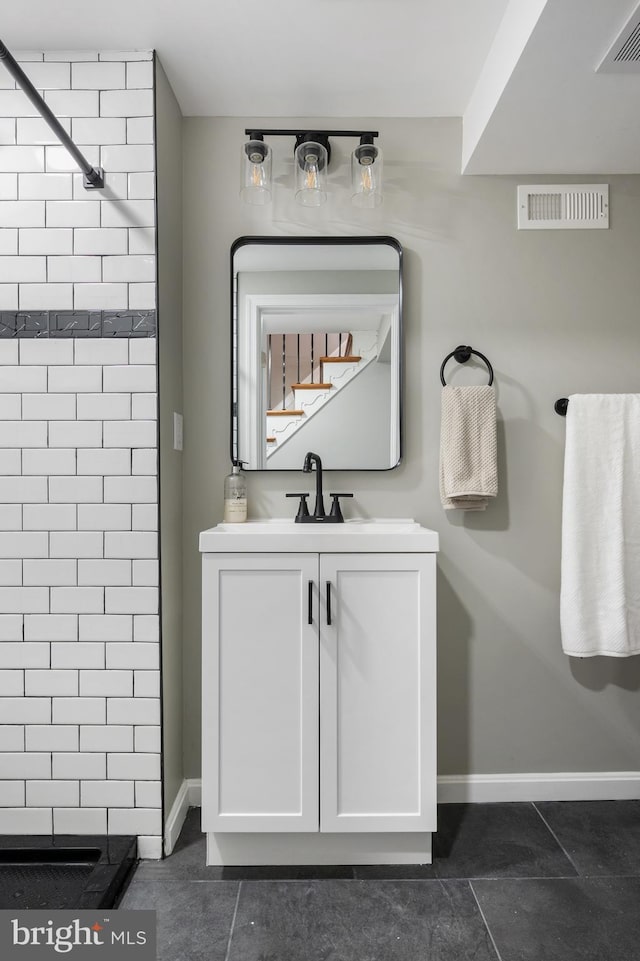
[(78, 323)]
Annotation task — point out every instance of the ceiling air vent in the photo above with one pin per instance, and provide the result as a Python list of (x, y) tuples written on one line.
[(563, 206), (623, 55)]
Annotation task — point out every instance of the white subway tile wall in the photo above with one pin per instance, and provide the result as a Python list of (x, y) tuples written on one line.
[(61, 246), (79, 625)]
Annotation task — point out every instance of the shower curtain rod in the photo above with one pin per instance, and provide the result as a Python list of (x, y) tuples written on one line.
[(93, 176)]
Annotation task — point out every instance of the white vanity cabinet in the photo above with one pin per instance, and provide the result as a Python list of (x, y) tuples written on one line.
[(377, 692), (319, 696), (260, 694)]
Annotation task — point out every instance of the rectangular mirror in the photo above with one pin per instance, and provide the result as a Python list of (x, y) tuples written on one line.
[(316, 352)]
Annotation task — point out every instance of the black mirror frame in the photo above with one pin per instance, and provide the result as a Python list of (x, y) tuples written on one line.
[(346, 241)]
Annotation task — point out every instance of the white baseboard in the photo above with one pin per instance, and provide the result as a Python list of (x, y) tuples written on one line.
[(477, 788), (473, 788), (189, 795), (589, 786), (194, 788)]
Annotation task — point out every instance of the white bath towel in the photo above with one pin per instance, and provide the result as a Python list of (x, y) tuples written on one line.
[(600, 592), (468, 449)]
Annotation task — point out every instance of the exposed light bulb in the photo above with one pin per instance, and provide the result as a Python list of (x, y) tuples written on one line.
[(366, 178), (255, 183), (257, 175), (311, 164), (366, 175), (311, 177)]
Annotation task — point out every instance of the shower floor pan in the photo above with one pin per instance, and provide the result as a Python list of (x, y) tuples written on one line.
[(65, 871)]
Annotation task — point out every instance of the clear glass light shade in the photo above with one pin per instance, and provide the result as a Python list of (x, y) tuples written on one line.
[(311, 174), (255, 175), (366, 176)]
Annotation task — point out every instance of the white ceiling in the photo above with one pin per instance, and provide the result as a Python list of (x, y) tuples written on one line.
[(279, 58), (554, 113), (521, 73)]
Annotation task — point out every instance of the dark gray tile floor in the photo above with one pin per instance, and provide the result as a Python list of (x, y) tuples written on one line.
[(554, 881)]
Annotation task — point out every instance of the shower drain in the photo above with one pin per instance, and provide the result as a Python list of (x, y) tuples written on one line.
[(42, 885)]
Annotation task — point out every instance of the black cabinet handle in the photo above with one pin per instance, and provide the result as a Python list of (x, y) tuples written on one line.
[(329, 603), (310, 603)]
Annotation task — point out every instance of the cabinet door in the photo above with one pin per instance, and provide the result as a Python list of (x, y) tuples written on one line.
[(378, 691), (260, 693)]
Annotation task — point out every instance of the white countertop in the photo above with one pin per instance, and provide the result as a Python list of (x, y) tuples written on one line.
[(283, 535)]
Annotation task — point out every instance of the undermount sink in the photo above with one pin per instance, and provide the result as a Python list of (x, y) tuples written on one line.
[(357, 534)]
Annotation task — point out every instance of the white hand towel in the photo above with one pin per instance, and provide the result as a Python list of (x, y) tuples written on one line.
[(600, 592), (468, 449)]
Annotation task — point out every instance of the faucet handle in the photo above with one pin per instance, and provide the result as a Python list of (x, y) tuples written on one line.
[(335, 507), (303, 510)]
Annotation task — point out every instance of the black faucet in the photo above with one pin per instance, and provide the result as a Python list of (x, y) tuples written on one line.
[(311, 458), (319, 516)]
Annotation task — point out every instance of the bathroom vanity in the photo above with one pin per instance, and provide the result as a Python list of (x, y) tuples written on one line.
[(319, 692)]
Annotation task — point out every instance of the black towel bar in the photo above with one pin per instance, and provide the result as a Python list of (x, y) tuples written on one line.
[(462, 355), (561, 405)]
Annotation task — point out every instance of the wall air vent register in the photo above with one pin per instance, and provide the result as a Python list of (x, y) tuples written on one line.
[(623, 56), (563, 206)]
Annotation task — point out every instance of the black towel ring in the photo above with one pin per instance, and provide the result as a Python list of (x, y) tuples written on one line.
[(462, 355)]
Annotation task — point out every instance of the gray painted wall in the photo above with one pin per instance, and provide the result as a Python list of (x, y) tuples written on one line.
[(556, 312), (169, 152)]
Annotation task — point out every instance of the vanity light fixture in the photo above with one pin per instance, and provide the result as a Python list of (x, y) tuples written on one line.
[(312, 155)]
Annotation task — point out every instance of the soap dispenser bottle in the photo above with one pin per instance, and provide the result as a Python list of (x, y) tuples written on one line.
[(235, 496)]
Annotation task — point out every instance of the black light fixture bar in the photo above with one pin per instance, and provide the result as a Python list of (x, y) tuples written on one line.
[(297, 133), (312, 157), (93, 176)]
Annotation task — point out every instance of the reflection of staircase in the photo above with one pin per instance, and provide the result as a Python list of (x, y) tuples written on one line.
[(348, 359), (309, 398)]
